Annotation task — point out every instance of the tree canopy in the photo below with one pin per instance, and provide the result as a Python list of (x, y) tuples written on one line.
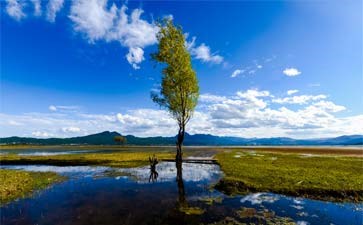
[(179, 87)]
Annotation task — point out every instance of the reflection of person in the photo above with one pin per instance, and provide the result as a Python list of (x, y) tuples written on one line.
[(153, 173)]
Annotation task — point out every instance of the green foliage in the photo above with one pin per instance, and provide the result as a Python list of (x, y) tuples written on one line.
[(16, 184), (321, 177), (179, 88)]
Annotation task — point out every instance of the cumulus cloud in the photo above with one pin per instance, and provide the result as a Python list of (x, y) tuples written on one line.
[(96, 21), (52, 108), (291, 72), (41, 134), (237, 72), (314, 85), (252, 67), (135, 56), (14, 8), (202, 52), (145, 122), (92, 18), (37, 7), (328, 106), (246, 113), (53, 7), (291, 92), (103, 20), (64, 108), (299, 99), (211, 98), (71, 129)]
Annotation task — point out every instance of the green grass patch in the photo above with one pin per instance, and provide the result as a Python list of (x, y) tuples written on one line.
[(191, 210), (120, 159), (320, 177), (16, 184)]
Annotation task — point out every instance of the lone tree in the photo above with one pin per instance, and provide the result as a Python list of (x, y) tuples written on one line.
[(120, 139), (179, 87)]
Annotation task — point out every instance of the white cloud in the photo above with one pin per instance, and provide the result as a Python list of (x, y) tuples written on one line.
[(135, 56), (41, 134), (97, 22), (37, 7), (211, 98), (291, 72), (53, 7), (299, 99), (252, 93), (14, 123), (103, 20), (146, 122), (252, 72), (14, 8), (252, 67), (291, 92), (52, 108), (329, 106), (245, 114), (92, 18), (71, 129), (202, 52), (64, 108), (314, 85), (237, 72)]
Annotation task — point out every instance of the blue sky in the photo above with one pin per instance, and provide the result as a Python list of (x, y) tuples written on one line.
[(265, 68)]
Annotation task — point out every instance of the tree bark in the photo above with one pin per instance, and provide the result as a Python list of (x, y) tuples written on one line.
[(179, 145)]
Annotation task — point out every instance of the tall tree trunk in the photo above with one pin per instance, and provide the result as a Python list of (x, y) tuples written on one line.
[(179, 144)]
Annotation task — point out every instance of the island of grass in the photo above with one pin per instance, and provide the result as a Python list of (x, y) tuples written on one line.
[(313, 176), (17, 184)]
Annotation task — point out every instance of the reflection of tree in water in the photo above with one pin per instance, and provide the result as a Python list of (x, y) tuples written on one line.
[(153, 173), (179, 179)]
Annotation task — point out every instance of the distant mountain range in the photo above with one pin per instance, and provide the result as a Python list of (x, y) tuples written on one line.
[(107, 138)]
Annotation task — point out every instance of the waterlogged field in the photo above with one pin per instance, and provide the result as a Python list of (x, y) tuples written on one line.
[(322, 177), (16, 184), (116, 186)]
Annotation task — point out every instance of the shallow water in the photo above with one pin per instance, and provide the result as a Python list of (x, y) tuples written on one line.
[(103, 195), (46, 152)]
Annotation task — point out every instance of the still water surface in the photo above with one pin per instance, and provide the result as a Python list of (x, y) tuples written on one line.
[(103, 195)]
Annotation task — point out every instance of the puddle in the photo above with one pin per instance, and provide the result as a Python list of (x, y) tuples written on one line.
[(103, 195)]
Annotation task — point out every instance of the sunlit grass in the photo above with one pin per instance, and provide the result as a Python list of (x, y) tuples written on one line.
[(16, 184), (322, 177), (122, 159)]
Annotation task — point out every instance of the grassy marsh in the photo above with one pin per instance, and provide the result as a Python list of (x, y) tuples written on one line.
[(287, 170), (16, 184), (122, 159), (320, 177)]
